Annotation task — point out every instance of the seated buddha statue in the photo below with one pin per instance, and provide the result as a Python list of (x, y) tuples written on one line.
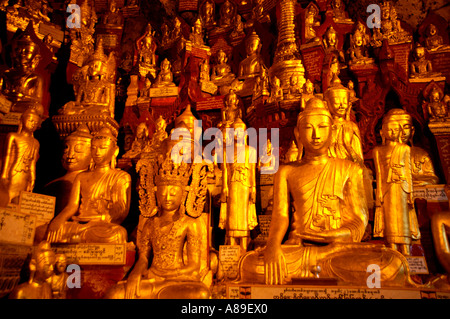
[(20, 84), (173, 244), (329, 219), (421, 67), (207, 12), (113, 18), (221, 72), (99, 200), (252, 65), (146, 50), (197, 36), (165, 75), (140, 142), (339, 13), (227, 14), (433, 41), (358, 51), (437, 105), (94, 86)]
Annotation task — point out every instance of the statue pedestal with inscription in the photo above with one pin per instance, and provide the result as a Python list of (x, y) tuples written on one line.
[(101, 266), (313, 57)]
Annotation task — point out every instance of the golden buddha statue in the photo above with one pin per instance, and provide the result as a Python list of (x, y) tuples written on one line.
[(82, 39), (358, 51), (238, 29), (252, 65), (146, 51), (437, 106), (207, 10), (227, 14), (140, 142), (330, 43), (421, 67), (293, 154), (158, 137), (308, 93), (19, 160), (311, 16), (113, 18), (41, 269), (76, 158), (395, 216), (58, 280), (421, 164), (433, 41), (391, 29), (173, 238), (276, 91), (267, 163), (231, 110), (258, 13), (20, 84), (222, 75), (329, 218), (295, 89), (94, 86), (237, 211), (339, 13), (99, 200), (197, 36), (165, 75)]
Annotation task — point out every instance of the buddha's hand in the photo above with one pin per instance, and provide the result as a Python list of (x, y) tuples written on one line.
[(275, 269), (133, 286), (54, 228)]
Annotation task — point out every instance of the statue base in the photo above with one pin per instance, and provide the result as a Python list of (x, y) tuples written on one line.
[(66, 124)]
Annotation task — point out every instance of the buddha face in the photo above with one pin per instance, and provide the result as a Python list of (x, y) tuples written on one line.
[(432, 30), (253, 46), (24, 54), (385, 13), (141, 130), (30, 121), (420, 52), (95, 68), (338, 103), (44, 265), (391, 131), (165, 66), (169, 197), (221, 57), (231, 99), (294, 80), (358, 41), (60, 264), (103, 150), (314, 132), (309, 88), (406, 130), (435, 96), (77, 154), (331, 39)]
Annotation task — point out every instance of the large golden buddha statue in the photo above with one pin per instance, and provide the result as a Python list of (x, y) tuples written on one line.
[(395, 216), (99, 200), (173, 247), (94, 86), (329, 219), (20, 84)]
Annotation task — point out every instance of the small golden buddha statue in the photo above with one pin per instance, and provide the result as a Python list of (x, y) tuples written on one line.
[(358, 51), (41, 270), (147, 57), (295, 89), (421, 67), (227, 14), (221, 72), (204, 71), (20, 84), (339, 13), (173, 246), (165, 75), (267, 163), (99, 200), (308, 93), (252, 65), (276, 91), (197, 36), (82, 39), (238, 211), (231, 110), (293, 154), (330, 42), (158, 136), (207, 11), (433, 41), (391, 29), (58, 280), (258, 13), (423, 172), (238, 29), (19, 161), (113, 18), (94, 86), (311, 17), (437, 108), (140, 142), (395, 216)]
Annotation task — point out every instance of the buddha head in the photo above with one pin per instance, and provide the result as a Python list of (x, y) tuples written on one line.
[(77, 150), (314, 128), (42, 262), (309, 87), (97, 62), (397, 126), (142, 131), (25, 53), (161, 124), (386, 10), (60, 263), (239, 131), (165, 66), (419, 52), (337, 98), (435, 95), (358, 40), (431, 30), (253, 44), (331, 37), (222, 57), (30, 120), (104, 148), (231, 99)]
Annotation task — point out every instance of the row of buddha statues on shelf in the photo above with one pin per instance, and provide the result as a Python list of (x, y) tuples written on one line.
[(330, 186)]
